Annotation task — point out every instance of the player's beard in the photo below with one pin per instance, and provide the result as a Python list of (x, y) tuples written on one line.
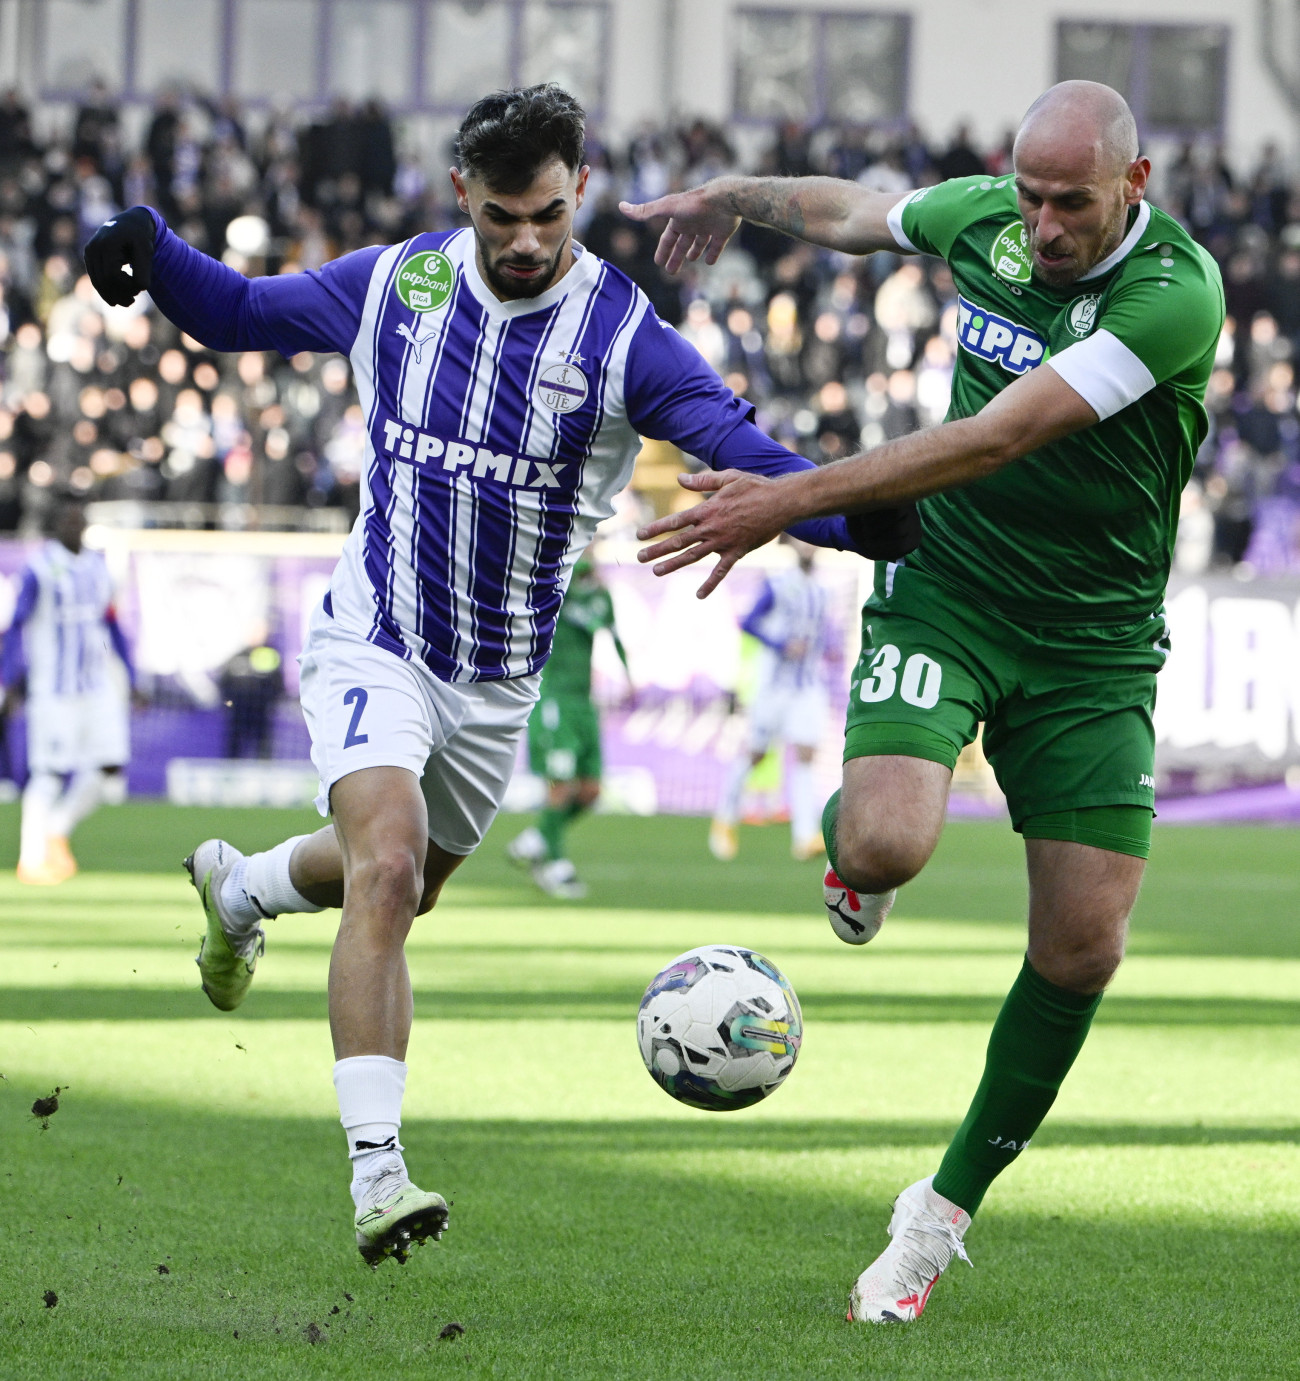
[(1072, 268), (514, 288)]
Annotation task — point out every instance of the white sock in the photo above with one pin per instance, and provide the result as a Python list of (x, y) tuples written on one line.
[(804, 815), (266, 880), (728, 808), (370, 1089), (81, 797), (39, 796)]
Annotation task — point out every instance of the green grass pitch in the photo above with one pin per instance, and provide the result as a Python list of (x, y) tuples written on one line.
[(188, 1203)]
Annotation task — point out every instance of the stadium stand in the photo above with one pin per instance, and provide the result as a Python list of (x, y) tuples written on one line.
[(834, 352)]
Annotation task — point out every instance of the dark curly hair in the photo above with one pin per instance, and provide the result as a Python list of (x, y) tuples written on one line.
[(507, 136)]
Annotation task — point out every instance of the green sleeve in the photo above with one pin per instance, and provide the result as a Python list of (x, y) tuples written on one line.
[(933, 217), (1170, 314)]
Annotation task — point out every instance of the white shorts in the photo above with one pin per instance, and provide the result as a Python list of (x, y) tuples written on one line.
[(367, 707), (793, 714), (73, 733)]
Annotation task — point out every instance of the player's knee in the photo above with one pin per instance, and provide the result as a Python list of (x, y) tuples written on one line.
[(1086, 966), (390, 881), (875, 857)]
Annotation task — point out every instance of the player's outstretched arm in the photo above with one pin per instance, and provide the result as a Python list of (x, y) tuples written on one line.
[(672, 394), (224, 310), (822, 210), (747, 510)]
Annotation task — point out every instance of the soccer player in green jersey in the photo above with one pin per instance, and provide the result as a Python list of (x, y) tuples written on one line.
[(1087, 328), (564, 735)]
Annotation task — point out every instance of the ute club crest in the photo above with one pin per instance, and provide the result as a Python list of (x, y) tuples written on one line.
[(561, 388)]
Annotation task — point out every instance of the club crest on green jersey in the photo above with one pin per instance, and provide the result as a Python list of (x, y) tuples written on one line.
[(1083, 315), (425, 280), (1010, 254)]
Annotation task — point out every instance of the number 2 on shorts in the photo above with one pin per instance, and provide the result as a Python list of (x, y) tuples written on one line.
[(357, 698)]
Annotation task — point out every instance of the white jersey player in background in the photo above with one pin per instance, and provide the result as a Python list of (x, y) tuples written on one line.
[(65, 651), (507, 376), (789, 703)]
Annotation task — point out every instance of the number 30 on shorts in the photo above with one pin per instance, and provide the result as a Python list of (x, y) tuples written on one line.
[(918, 685)]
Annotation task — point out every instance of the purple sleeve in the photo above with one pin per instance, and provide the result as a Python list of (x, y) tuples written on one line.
[(673, 395), (752, 623), (118, 639), (13, 665), (318, 310)]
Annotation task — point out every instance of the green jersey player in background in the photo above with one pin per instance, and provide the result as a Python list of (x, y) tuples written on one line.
[(1087, 328), (564, 735)]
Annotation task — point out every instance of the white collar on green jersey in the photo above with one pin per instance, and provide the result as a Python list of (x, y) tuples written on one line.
[(1135, 233)]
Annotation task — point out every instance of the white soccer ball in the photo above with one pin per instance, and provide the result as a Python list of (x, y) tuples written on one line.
[(719, 1028)]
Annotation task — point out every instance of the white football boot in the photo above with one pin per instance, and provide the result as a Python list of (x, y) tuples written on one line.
[(927, 1230), (526, 849), (559, 878), (854, 916), (393, 1216)]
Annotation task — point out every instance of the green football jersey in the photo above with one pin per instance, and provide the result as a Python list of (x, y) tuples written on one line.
[(587, 608), (1081, 531)]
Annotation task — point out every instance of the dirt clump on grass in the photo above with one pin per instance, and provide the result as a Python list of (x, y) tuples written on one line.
[(45, 1108), (452, 1330), (50, 1298)]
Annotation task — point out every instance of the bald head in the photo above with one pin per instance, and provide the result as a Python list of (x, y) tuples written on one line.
[(1084, 123), (1077, 172)]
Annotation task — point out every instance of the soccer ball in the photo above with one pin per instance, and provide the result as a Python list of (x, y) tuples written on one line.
[(719, 1028)]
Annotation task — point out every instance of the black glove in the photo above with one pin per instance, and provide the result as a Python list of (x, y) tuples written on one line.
[(885, 534), (125, 242)]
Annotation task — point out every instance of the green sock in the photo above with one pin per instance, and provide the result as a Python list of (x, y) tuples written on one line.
[(1038, 1033), (553, 823), (831, 818)]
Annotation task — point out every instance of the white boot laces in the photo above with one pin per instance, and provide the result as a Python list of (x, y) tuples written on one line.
[(927, 1246)]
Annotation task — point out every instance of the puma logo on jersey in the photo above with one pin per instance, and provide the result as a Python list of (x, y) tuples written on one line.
[(423, 448), (417, 345), (992, 337)]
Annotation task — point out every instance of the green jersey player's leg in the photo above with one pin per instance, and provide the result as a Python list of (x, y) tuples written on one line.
[(564, 750), (1068, 732)]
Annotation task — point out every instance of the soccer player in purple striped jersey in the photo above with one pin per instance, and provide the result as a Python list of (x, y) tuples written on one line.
[(506, 376)]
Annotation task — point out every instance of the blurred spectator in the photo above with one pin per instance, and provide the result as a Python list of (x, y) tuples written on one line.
[(251, 683)]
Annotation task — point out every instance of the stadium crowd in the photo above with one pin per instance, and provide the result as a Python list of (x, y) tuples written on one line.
[(835, 352)]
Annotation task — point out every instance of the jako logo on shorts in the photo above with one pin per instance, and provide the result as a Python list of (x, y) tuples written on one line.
[(992, 337)]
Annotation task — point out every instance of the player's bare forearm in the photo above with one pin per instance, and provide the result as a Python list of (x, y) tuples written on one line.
[(748, 510), (824, 211)]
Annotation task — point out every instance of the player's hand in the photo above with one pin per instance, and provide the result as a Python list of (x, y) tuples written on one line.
[(119, 257), (745, 511), (696, 228)]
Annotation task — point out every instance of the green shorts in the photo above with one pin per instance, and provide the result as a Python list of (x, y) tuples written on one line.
[(1066, 711), (564, 738)]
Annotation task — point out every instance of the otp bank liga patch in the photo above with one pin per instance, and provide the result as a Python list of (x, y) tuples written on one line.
[(425, 281)]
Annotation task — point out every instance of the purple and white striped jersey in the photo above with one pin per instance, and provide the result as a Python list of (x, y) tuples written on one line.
[(63, 633), (497, 433), (792, 606)]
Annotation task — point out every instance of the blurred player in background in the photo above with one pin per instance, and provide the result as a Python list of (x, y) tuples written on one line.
[(789, 703), (564, 735), (506, 376), (1087, 325), (66, 652)]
